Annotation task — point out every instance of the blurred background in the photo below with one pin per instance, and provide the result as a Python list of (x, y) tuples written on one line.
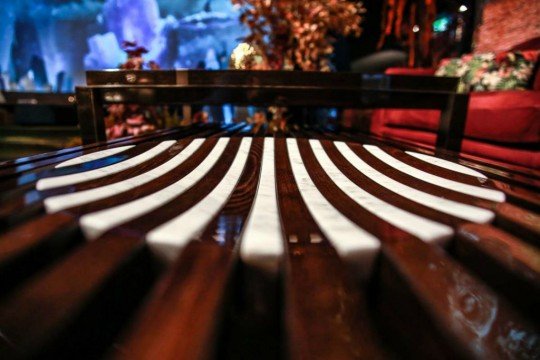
[(47, 45)]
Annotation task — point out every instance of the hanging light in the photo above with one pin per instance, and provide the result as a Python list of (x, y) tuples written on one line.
[(463, 8), (415, 28)]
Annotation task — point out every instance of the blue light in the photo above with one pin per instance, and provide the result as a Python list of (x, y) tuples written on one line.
[(441, 24)]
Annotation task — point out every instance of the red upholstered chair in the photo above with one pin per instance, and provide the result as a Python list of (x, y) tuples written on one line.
[(501, 126)]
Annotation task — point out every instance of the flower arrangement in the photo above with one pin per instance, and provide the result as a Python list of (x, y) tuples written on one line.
[(298, 34)]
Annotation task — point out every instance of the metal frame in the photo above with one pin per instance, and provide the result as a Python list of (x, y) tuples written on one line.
[(264, 88)]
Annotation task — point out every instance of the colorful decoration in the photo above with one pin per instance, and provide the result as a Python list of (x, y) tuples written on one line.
[(488, 72), (135, 60), (132, 119), (298, 34), (410, 21), (247, 57)]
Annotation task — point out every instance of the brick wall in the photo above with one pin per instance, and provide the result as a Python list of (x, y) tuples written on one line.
[(506, 23)]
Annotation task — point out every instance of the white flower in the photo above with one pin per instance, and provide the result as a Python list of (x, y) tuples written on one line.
[(491, 79), (461, 71)]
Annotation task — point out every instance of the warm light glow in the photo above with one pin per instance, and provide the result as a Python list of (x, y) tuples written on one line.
[(463, 8), (415, 28)]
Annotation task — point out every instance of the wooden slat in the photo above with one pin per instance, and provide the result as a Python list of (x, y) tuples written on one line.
[(513, 219), (454, 314), (520, 222), (494, 170), (515, 194), (29, 247), (185, 310), (418, 284), (15, 168), (27, 204), (28, 179), (506, 263), (326, 315), (417, 183), (149, 220), (57, 312), (383, 193), (63, 297)]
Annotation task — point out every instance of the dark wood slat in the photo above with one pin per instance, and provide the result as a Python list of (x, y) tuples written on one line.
[(519, 196), (185, 309), (28, 180), (190, 298), (41, 240), (515, 194), (437, 170), (33, 241), (27, 248), (58, 314), (416, 183), (140, 191), (520, 222), (454, 315), (504, 262), (326, 315), (49, 159), (508, 174), (520, 219), (143, 224), (418, 284), (30, 203), (82, 297), (383, 193)]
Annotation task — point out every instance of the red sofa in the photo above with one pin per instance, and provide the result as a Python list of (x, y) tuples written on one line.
[(501, 126)]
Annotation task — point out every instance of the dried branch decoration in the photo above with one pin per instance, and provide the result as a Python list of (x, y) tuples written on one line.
[(297, 34), (420, 13)]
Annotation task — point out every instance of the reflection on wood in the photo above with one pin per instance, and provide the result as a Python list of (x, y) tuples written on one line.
[(237, 244)]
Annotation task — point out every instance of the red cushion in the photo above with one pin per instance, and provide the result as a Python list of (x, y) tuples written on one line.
[(409, 71), (501, 116), (525, 158)]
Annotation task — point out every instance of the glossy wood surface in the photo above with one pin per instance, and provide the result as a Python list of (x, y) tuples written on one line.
[(190, 298), (421, 282)]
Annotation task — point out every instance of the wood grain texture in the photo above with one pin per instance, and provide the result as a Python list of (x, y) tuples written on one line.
[(506, 263), (190, 298), (320, 294), (431, 284)]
